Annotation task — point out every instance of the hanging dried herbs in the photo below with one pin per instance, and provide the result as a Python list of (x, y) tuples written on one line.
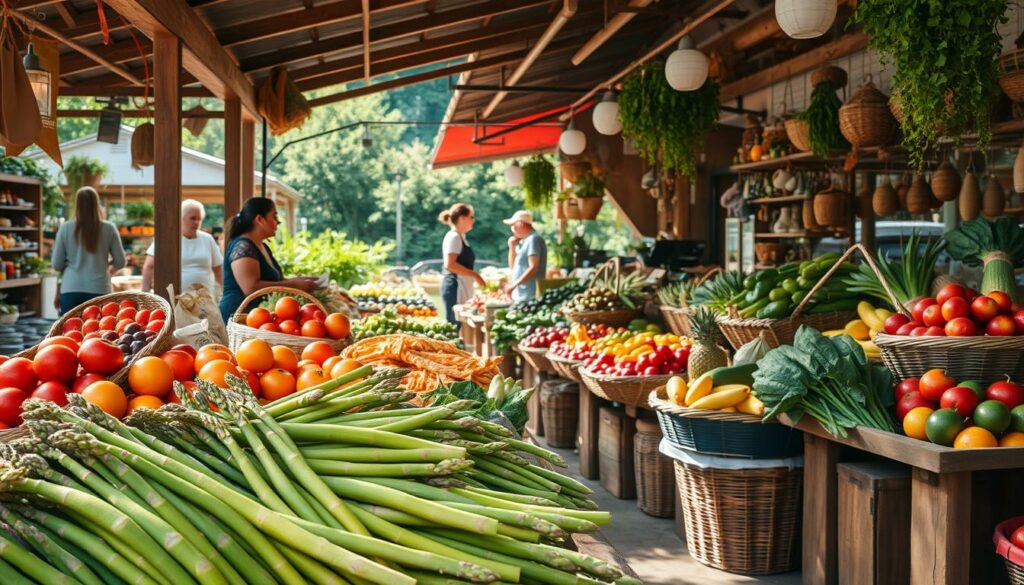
[(945, 55), (538, 183), (822, 117), (665, 124)]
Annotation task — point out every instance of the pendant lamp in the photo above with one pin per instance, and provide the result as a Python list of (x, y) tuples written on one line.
[(514, 174), (606, 115), (572, 141), (686, 68), (805, 19), (39, 79)]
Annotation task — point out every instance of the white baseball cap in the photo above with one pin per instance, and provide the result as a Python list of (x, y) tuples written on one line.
[(521, 215)]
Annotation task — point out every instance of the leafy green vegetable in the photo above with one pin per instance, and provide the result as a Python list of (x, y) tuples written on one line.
[(347, 262), (829, 378), (997, 244), (512, 408), (822, 117), (910, 277)]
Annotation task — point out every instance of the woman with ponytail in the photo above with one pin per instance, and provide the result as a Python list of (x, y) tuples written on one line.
[(84, 251), (250, 264), (458, 276)]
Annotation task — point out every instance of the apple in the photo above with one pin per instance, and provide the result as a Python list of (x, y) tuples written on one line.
[(1002, 299), (961, 326), (1018, 320), (984, 308), (1001, 325), (906, 387), (1005, 391), (962, 400), (975, 387), (951, 291), (932, 316), (907, 328), (954, 308), (910, 402), (920, 306), (919, 331), (897, 320), (935, 331)]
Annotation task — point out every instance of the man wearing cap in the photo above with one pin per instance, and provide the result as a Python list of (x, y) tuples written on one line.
[(527, 256)]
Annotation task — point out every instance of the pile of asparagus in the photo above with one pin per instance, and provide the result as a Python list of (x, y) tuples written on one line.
[(342, 483)]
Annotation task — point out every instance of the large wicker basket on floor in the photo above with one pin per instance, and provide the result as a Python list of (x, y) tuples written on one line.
[(537, 358), (566, 368), (560, 407), (655, 480), (164, 338), (239, 332), (629, 390), (743, 521)]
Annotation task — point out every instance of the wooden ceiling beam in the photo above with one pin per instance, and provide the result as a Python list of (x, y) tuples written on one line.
[(398, 30), (366, 40), (601, 37), (115, 52), (65, 10), (26, 4), (203, 56), (567, 11), (101, 90)]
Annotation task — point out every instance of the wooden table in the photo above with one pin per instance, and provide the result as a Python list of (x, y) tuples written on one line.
[(942, 541)]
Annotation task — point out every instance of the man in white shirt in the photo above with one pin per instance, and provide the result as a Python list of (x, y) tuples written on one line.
[(201, 259)]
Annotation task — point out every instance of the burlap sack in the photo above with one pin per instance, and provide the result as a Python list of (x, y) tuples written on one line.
[(197, 335), (281, 103), (197, 305), (20, 122)]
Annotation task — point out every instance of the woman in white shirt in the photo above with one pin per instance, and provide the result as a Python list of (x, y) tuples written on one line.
[(458, 276), (201, 259)]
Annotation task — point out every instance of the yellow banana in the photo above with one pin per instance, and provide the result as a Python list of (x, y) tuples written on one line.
[(728, 387), (721, 400), (857, 329), (698, 389), (751, 405), (883, 314), (867, 314)]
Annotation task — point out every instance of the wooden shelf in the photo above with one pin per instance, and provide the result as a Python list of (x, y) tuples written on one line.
[(6, 178), (20, 282), (771, 200), (18, 207), (19, 229), (36, 249), (1014, 210)]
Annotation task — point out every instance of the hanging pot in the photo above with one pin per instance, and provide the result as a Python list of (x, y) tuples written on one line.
[(570, 170), (902, 189), (993, 201), (807, 214), (885, 201), (1011, 74), (142, 146), (945, 182), (589, 207), (1018, 171), (572, 211), (970, 197), (799, 133), (919, 199), (865, 120), (831, 207)]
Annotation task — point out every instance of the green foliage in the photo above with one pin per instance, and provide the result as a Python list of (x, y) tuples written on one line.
[(664, 123), (52, 195), (588, 185), (822, 117), (33, 265), (347, 262), (539, 183), (945, 56), (77, 168), (139, 211)]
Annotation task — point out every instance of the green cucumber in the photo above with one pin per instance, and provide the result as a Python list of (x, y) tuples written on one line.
[(790, 285), (750, 311), (742, 374), (768, 274), (777, 294), (798, 297), (775, 310), (843, 305), (749, 282)]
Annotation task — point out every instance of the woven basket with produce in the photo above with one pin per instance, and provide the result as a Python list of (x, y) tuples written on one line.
[(567, 355), (513, 324), (677, 300), (287, 322), (610, 298)]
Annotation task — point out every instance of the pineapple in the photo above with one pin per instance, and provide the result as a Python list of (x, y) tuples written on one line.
[(705, 353)]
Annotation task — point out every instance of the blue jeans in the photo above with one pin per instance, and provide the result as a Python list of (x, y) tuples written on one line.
[(70, 300)]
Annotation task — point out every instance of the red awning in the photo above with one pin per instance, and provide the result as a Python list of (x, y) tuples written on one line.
[(456, 146)]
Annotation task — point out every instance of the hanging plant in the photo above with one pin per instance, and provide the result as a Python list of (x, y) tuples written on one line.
[(538, 183), (664, 124), (945, 55), (822, 117), (588, 185)]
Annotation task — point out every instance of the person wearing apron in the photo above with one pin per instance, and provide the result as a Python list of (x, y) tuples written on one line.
[(458, 275)]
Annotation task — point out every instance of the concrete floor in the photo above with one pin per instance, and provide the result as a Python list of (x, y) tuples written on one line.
[(651, 546)]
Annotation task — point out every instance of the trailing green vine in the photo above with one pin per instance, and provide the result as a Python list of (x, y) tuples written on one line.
[(822, 117), (538, 183), (945, 55), (665, 124)]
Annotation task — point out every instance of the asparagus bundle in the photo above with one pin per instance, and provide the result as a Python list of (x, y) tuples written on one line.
[(337, 484)]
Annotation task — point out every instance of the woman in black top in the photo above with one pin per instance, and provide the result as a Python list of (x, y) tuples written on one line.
[(250, 265)]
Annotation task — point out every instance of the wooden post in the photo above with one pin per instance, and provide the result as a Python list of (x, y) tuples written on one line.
[(167, 155), (232, 158), (821, 501), (940, 527), (586, 432), (248, 159)]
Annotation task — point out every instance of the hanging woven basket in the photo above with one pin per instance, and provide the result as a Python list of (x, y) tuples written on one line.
[(142, 146), (865, 119), (834, 76), (799, 133)]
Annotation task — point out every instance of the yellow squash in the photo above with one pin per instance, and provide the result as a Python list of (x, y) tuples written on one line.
[(751, 405), (723, 399), (698, 389), (676, 390)]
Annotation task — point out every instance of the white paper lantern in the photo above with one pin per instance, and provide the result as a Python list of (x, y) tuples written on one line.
[(514, 174), (572, 141), (606, 115), (686, 68), (805, 19)]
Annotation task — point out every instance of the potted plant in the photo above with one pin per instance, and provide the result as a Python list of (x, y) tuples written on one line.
[(563, 251), (538, 183), (560, 200), (84, 171), (589, 190), (8, 312), (139, 212), (32, 266)]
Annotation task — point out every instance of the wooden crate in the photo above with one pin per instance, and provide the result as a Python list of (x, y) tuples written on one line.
[(615, 453), (874, 521)]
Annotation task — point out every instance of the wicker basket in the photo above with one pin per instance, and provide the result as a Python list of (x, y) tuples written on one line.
[(1011, 78), (1013, 556), (560, 407), (799, 133), (164, 338), (677, 319), (630, 390), (568, 369), (724, 434), (983, 358), (834, 76), (865, 119), (616, 318), (655, 480), (537, 357), (742, 520), (239, 332)]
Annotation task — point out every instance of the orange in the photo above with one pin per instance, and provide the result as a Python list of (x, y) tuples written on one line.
[(285, 358), (331, 362), (255, 355), (975, 438), (287, 308), (314, 328), (143, 401), (108, 396), (1012, 439), (270, 327), (150, 376), (206, 356), (290, 326), (310, 377), (913, 423), (276, 383), (318, 351), (216, 371), (258, 317), (216, 346), (337, 326), (343, 367), (305, 367)]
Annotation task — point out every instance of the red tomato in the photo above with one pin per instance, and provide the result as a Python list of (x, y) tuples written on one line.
[(919, 331), (962, 400), (142, 317), (59, 340), (52, 391), (185, 348), (182, 364), (1002, 299), (906, 387), (961, 326), (307, 312), (935, 331), (910, 402), (954, 308), (906, 328), (1017, 538), (126, 313), (158, 315), (109, 309), (251, 379), (10, 406), (319, 315), (127, 304), (1018, 320), (933, 383), (55, 363), (155, 325), (91, 312), (1005, 391), (75, 335), (290, 326), (1001, 325), (82, 382), (18, 373), (920, 306), (932, 316), (951, 291), (108, 323), (73, 324), (100, 357), (271, 327), (984, 308), (894, 322)]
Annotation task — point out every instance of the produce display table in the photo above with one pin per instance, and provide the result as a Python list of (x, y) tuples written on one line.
[(943, 546)]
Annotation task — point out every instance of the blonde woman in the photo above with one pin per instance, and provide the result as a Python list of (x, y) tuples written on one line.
[(458, 275), (84, 251), (201, 260)]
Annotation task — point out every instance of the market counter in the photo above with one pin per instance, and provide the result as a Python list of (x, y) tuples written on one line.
[(942, 542)]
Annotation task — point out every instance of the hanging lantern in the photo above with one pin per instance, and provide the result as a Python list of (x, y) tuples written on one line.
[(572, 141), (606, 115), (686, 68), (367, 138), (805, 19), (514, 174), (39, 79)]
